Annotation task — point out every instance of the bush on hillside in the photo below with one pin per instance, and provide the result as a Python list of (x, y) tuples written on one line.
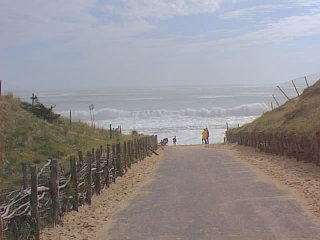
[(41, 111)]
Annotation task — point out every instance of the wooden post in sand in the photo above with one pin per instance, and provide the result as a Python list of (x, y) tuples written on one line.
[(106, 171), (114, 162), (54, 190), (75, 183), (89, 177), (129, 154), (138, 150), (34, 202), (119, 160), (97, 183), (125, 156)]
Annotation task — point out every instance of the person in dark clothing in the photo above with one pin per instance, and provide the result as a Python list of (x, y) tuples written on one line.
[(207, 140)]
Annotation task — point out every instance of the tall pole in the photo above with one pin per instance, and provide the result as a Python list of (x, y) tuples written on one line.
[(295, 87), (0, 88), (94, 125), (70, 119), (34, 202), (305, 79), (283, 93), (275, 100)]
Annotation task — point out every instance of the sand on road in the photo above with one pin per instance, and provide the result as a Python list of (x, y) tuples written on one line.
[(302, 178), (211, 192)]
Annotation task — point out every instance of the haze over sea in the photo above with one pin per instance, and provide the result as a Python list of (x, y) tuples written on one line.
[(166, 111)]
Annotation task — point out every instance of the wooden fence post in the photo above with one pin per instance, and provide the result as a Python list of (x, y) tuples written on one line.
[(24, 176), (283, 92), (125, 156), (34, 202), (54, 190), (75, 183), (97, 184), (114, 162), (89, 177), (70, 120), (305, 79), (275, 100), (119, 160), (108, 152), (1, 228), (129, 154), (295, 88), (80, 158)]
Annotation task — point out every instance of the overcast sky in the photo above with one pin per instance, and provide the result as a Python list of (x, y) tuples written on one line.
[(121, 43)]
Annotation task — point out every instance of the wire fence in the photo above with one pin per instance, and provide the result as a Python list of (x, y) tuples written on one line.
[(290, 89)]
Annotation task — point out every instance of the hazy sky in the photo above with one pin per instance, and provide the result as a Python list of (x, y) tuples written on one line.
[(102, 43)]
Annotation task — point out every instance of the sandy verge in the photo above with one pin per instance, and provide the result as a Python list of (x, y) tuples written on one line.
[(86, 223), (302, 178)]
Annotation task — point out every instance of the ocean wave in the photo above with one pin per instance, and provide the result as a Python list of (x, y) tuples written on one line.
[(214, 97), (110, 113), (145, 98)]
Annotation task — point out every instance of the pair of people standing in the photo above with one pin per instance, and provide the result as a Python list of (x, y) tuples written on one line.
[(205, 136)]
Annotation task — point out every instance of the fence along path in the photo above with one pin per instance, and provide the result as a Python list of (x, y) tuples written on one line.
[(54, 192), (302, 148)]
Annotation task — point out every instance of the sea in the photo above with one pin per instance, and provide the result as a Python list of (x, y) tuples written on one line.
[(164, 111)]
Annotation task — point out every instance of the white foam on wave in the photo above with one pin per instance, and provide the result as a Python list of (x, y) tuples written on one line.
[(213, 97), (110, 113), (144, 99)]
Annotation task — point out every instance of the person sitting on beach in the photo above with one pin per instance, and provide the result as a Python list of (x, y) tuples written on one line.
[(163, 142), (174, 140)]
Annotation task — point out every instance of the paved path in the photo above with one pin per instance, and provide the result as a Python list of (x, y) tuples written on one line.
[(201, 193)]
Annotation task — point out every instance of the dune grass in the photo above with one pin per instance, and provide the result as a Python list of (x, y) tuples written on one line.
[(27, 138), (299, 115)]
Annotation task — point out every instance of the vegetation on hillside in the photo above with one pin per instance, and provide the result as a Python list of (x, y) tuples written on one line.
[(32, 134), (299, 116)]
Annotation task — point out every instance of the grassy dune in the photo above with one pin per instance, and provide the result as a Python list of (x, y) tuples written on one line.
[(299, 115), (27, 138)]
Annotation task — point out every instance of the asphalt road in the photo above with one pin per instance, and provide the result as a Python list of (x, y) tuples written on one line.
[(202, 193)]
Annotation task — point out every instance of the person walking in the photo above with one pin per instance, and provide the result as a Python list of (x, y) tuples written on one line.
[(207, 130), (174, 140), (204, 136)]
